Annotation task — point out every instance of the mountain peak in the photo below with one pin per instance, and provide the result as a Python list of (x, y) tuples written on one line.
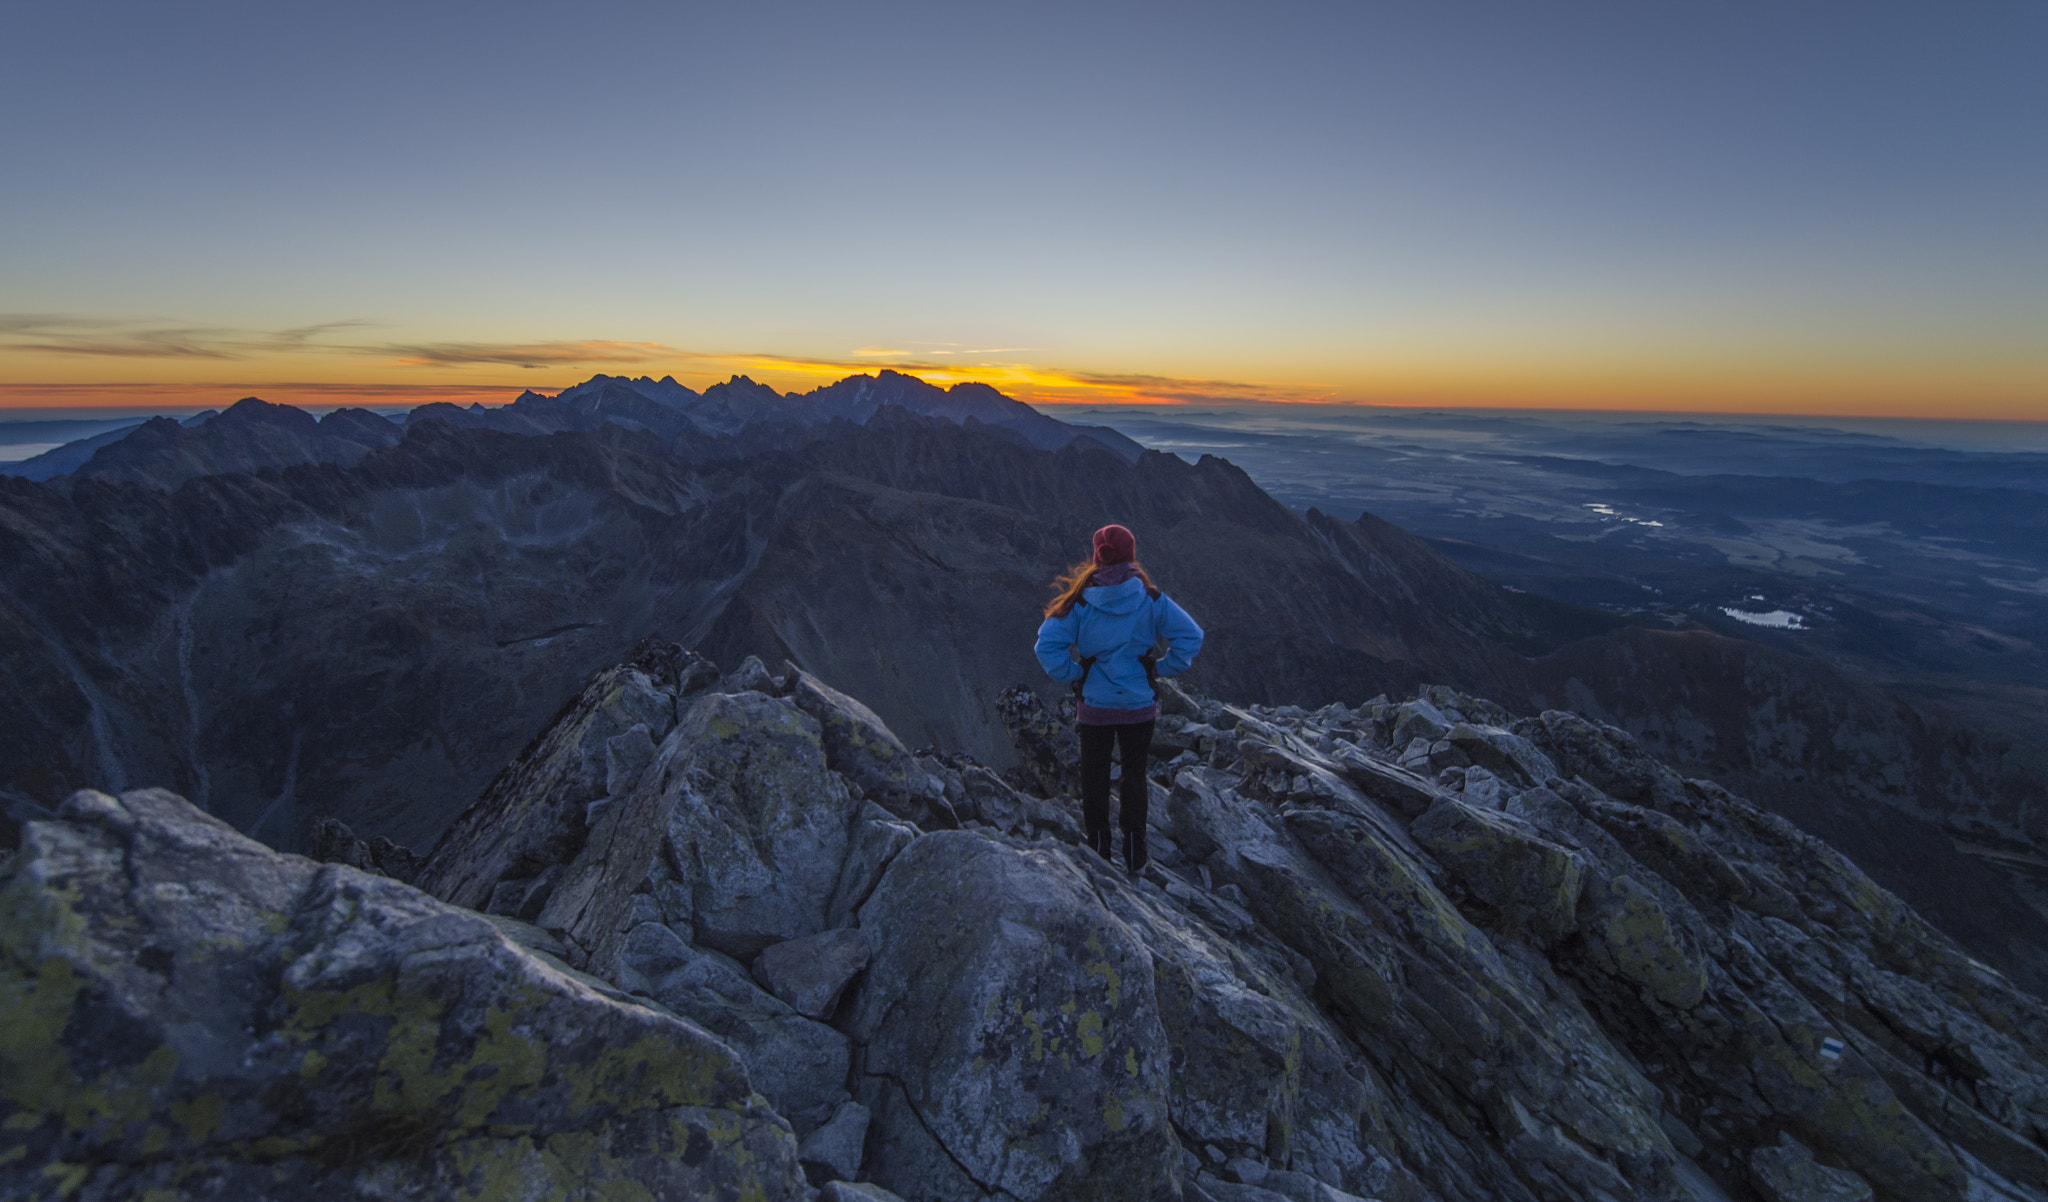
[(254, 410)]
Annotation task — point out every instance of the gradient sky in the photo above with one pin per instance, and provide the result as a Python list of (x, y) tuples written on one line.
[(1750, 207)]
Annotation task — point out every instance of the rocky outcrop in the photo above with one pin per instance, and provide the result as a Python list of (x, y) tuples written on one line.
[(1519, 960), (192, 1015), (1508, 958)]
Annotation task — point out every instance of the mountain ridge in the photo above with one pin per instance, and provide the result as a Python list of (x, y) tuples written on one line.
[(689, 932), (357, 640)]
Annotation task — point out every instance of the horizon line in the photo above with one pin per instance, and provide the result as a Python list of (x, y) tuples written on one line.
[(130, 396)]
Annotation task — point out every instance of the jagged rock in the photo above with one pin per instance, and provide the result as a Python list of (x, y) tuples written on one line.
[(1418, 719), (1407, 792), (331, 841), (523, 898), (1604, 756), (1502, 753), (850, 1191), (1789, 1173), (1048, 750), (877, 837), (1293, 980), (674, 667), (799, 1065), (810, 973), (989, 799), (1507, 866), (861, 748), (751, 676), (1211, 1188), (834, 1150), (1256, 1067), (1012, 1033), (1413, 980), (193, 1015), (754, 829), (532, 816)]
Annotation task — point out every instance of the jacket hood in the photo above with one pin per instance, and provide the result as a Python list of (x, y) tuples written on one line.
[(1119, 599)]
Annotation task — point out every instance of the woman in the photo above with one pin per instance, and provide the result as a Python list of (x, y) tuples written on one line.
[(1098, 634)]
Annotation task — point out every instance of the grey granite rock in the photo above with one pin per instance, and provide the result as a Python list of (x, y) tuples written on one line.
[(1502, 752), (1012, 1030), (1507, 865), (833, 1152), (850, 1191), (753, 830), (194, 1015), (799, 1065), (1338, 977), (811, 972), (1787, 1172), (532, 816), (860, 747)]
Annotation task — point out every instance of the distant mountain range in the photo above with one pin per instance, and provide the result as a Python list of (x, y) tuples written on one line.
[(253, 434), (287, 619)]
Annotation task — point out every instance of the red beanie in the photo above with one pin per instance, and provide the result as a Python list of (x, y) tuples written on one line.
[(1114, 544)]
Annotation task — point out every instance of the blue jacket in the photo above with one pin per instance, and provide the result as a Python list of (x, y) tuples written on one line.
[(1116, 626)]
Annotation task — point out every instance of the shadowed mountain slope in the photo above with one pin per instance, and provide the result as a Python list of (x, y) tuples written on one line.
[(249, 435), (367, 640)]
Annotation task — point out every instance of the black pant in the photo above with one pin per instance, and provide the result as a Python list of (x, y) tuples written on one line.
[(1135, 739)]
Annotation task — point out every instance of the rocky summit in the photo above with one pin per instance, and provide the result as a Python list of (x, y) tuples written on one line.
[(723, 935)]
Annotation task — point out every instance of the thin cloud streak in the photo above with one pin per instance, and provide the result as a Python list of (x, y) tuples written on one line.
[(528, 354), (66, 334)]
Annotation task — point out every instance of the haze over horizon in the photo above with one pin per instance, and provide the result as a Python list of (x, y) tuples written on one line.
[(1759, 209)]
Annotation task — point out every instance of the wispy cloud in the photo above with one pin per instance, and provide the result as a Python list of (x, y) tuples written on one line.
[(306, 334), (933, 348), (1178, 388), (531, 354), (66, 334)]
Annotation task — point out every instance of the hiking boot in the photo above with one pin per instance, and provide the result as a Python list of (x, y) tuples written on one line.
[(1101, 841), (1135, 855)]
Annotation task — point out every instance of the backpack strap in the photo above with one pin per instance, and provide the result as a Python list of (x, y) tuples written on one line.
[(1087, 666), (1148, 659)]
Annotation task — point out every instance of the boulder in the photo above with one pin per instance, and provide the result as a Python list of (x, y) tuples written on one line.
[(532, 815), (1630, 933), (1531, 882), (1012, 1032), (877, 837), (810, 973), (1256, 1067), (1607, 757), (1406, 792), (1418, 719), (860, 747), (798, 1064), (833, 1152), (851, 1191), (194, 1015), (753, 830), (1787, 1172), (1503, 753)]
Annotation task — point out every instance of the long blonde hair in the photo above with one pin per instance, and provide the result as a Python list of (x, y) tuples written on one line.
[(1067, 587)]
